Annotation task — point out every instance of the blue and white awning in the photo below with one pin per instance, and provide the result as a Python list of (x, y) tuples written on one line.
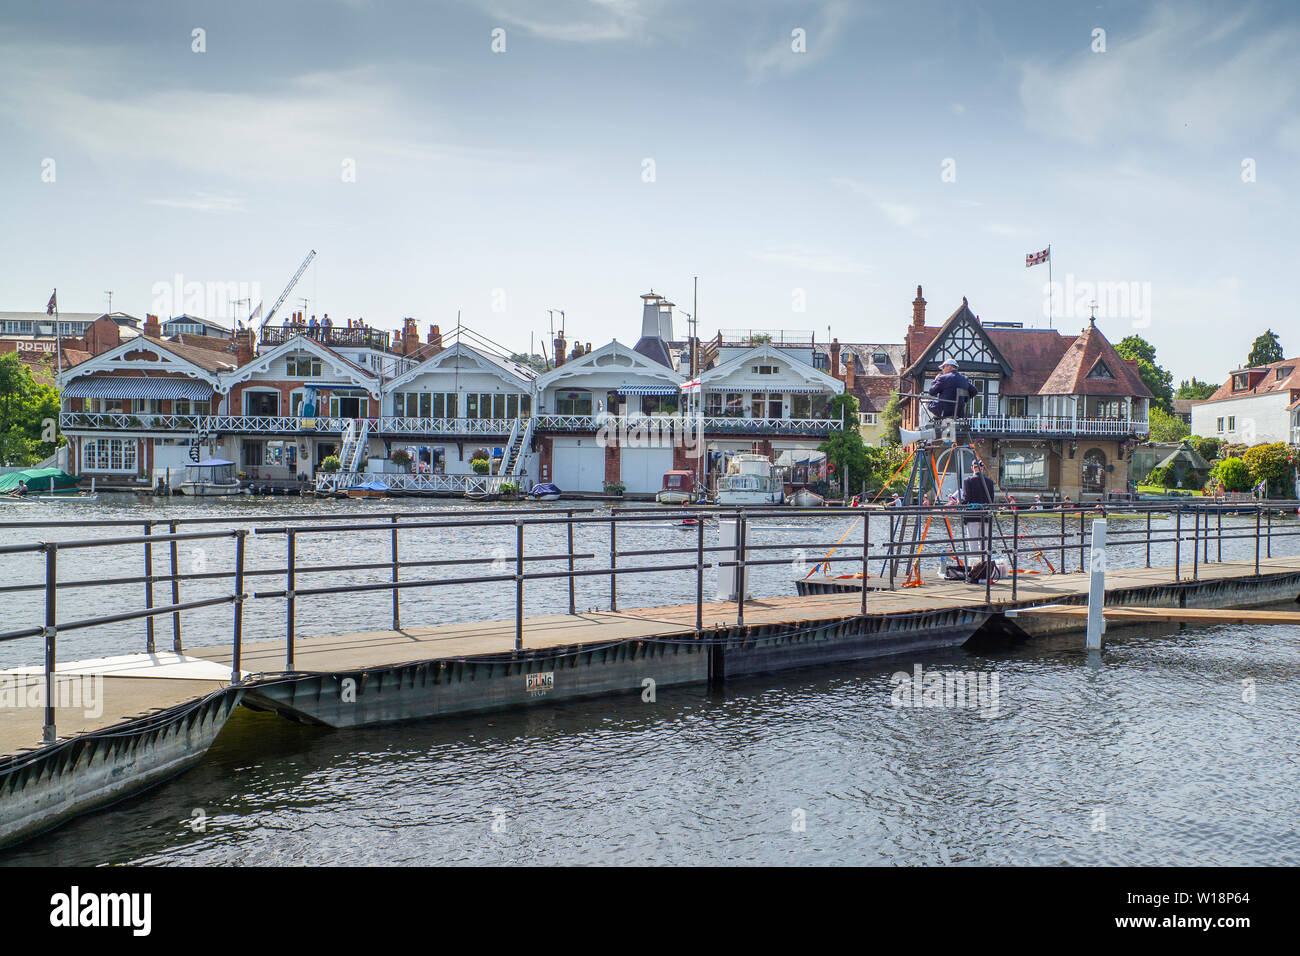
[(647, 389), (137, 388)]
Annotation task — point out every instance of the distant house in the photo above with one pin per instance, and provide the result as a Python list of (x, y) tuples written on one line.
[(193, 325), (1052, 413), (1183, 410), (1253, 406), (870, 373)]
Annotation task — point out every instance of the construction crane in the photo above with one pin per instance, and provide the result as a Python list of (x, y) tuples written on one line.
[(287, 289)]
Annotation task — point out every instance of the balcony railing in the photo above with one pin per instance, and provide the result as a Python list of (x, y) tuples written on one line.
[(129, 421), (474, 484), (711, 424), (444, 426), (1056, 425), (345, 337)]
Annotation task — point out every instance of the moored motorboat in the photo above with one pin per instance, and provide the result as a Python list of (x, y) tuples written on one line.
[(807, 498), (749, 481), (370, 489), (212, 477), (544, 491), (677, 488)]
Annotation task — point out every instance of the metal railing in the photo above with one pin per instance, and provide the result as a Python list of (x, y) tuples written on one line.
[(1055, 425), (710, 424), (893, 559)]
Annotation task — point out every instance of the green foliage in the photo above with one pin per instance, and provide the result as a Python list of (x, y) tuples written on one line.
[(400, 457), (848, 453), (1162, 476), (842, 411), (1166, 427), (1233, 474), (509, 488), (615, 488), (29, 414), (1157, 379), (1270, 463), (1265, 350), (480, 466), (1195, 389), (882, 463), (1192, 481), (1207, 448), (331, 464), (893, 419)]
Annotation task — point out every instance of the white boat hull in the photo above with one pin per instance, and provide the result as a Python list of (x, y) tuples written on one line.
[(203, 489), (750, 498), (673, 497)]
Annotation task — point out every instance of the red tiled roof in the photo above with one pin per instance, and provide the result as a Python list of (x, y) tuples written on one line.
[(1081, 370), (1265, 384)]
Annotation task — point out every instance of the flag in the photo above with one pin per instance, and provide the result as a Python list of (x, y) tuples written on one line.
[(53, 304), (1038, 258), (691, 386), (257, 313)]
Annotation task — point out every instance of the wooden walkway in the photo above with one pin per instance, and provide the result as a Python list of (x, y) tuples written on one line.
[(139, 685)]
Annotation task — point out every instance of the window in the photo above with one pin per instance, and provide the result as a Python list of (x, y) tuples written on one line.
[(1022, 469), (109, 454), (1100, 370), (867, 418), (821, 361), (1232, 423), (713, 404), (1283, 372), (281, 454), (765, 370), (1017, 407), (573, 403), (1240, 382), (1094, 471), (880, 358), (304, 366), (147, 406), (183, 406), (1219, 424), (262, 403)]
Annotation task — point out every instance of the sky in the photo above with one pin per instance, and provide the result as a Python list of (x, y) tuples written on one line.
[(810, 162)]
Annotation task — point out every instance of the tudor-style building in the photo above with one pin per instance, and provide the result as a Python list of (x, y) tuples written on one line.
[(1053, 413)]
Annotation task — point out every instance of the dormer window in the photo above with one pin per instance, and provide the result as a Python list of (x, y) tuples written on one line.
[(1100, 370), (765, 370), (880, 358), (1284, 372), (1240, 382)]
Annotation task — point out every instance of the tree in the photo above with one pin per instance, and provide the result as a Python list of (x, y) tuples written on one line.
[(1265, 350), (29, 411), (1195, 389), (893, 419), (1207, 448), (1158, 380), (1270, 464), (844, 447), (1166, 427), (1233, 474)]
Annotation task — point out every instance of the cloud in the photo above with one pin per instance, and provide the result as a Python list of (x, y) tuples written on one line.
[(302, 128), (901, 214), (1186, 76), (203, 202), (812, 260), (819, 41), (576, 21)]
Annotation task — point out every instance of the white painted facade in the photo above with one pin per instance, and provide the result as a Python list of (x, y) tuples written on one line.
[(1249, 420)]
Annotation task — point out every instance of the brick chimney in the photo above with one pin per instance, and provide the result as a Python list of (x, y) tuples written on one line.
[(918, 310), (410, 336), (850, 369), (151, 327), (243, 342), (435, 338), (835, 358), (559, 350)]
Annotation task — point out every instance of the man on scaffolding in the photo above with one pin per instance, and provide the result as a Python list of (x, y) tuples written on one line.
[(951, 390)]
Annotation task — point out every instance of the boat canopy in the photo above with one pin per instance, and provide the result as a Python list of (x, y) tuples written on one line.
[(217, 471), (38, 479), (545, 488), (373, 484), (678, 480)]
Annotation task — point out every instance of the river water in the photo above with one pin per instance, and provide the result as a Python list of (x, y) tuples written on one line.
[(1176, 746)]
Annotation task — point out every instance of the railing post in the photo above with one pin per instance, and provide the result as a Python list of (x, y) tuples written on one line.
[(148, 588), (1015, 551), (866, 547), (397, 613), (1196, 544), (1269, 538), (239, 605), (740, 568), (613, 563), (291, 564), (699, 576), (1178, 541), (1062, 537), (572, 605), (51, 636), (1082, 510), (176, 590), (1218, 543), (1257, 514), (988, 554), (1148, 537), (519, 584)]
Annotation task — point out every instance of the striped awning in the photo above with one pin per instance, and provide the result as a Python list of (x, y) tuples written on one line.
[(648, 390), (137, 388)]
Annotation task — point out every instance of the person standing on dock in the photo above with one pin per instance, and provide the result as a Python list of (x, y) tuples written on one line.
[(977, 492)]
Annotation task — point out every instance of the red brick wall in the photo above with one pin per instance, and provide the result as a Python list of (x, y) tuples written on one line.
[(544, 451), (613, 463)]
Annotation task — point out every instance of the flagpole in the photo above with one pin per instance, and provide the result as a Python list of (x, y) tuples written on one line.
[(58, 348), (1051, 289)]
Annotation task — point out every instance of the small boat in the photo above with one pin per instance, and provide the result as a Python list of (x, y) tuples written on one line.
[(370, 489), (807, 498), (544, 492), (212, 477), (482, 496), (750, 481), (677, 488), (53, 482)]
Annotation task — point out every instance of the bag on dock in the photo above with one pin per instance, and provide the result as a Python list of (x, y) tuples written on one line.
[(977, 572)]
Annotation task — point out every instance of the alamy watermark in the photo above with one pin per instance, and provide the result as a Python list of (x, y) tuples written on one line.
[(1077, 299), (235, 301), (963, 690), (84, 692)]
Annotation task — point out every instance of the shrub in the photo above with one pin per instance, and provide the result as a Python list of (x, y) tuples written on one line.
[(331, 464), (1271, 464), (509, 488), (1207, 448), (1162, 476), (1233, 474), (400, 457), (1192, 481), (481, 466), (614, 488)]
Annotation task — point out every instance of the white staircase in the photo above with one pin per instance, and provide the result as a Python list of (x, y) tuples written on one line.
[(521, 435), (352, 454)]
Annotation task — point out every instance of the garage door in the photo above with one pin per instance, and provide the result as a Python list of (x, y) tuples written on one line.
[(173, 455), (577, 467), (643, 468)]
